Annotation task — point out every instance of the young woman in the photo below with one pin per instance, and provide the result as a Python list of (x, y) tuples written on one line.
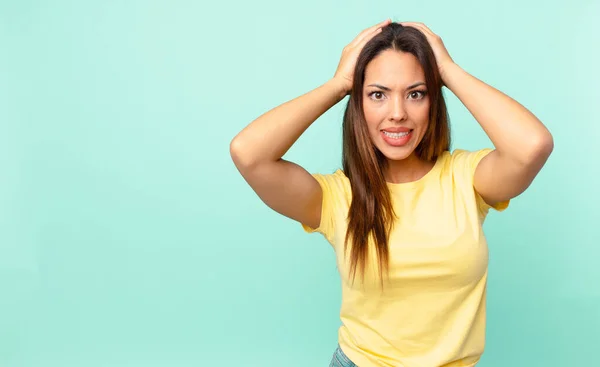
[(404, 214)]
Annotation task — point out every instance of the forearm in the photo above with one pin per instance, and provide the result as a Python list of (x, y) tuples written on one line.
[(515, 132), (272, 134)]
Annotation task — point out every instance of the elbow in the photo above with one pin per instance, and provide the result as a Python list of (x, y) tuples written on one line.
[(235, 148), (544, 145), (239, 153), (541, 146)]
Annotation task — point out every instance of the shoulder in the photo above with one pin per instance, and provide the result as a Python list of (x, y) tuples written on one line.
[(459, 167), (462, 161), (334, 184), (335, 202), (468, 156)]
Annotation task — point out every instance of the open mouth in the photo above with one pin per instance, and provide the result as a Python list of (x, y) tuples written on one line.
[(397, 139), (397, 135)]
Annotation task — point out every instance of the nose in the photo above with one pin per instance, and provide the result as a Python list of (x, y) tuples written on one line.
[(398, 109)]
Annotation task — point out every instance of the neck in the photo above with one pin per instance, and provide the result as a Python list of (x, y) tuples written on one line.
[(407, 170)]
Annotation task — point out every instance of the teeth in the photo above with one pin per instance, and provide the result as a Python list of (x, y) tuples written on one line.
[(396, 135)]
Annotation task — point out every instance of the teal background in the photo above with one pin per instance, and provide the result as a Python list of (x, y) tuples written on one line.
[(128, 238)]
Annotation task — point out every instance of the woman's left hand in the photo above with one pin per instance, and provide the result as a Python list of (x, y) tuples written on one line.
[(442, 57)]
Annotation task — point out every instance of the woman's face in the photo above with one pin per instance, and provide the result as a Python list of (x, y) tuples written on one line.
[(395, 103)]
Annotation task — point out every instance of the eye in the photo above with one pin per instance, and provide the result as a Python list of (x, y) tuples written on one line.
[(377, 94), (415, 95), (421, 93)]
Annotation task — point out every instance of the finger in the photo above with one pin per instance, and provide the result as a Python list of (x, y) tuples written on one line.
[(368, 37), (420, 26), (369, 32), (413, 24), (426, 31), (380, 24)]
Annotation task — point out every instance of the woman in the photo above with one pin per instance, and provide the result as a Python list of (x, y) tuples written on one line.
[(405, 213)]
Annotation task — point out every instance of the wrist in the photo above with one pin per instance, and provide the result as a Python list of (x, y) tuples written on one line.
[(339, 86), (447, 71)]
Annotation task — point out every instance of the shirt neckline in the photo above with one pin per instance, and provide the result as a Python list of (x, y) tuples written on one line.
[(420, 181)]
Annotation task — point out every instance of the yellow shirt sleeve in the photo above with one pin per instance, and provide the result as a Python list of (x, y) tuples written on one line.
[(465, 164), (334, 197)]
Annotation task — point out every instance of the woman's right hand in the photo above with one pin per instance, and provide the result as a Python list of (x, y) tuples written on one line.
[(345, 69)]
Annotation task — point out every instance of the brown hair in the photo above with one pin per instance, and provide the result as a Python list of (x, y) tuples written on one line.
[(371, 215)]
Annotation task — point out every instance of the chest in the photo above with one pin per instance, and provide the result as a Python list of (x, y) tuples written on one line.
[(437, 242)]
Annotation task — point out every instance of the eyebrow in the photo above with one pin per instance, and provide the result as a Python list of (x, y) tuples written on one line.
[(388, 89)]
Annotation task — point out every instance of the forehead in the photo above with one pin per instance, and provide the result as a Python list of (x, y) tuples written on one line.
[(393, 67)]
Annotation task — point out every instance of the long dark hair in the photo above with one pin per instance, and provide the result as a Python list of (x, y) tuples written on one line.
[(371, 215)]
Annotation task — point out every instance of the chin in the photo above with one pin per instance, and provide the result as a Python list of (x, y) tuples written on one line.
[(395, 153), (397, 149)]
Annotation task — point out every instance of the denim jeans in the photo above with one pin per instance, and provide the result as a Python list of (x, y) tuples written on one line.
[(339, 359)]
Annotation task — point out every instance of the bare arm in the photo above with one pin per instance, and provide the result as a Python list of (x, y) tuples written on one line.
[(258, 149), (284, 186), (522, 142)]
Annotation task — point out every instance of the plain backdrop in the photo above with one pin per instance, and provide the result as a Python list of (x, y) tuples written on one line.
[(128, 238)]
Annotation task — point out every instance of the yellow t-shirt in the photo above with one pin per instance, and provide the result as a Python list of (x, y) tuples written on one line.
[(431, 310)]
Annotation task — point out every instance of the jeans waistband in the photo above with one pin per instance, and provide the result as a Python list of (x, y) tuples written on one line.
[(340, 359)]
